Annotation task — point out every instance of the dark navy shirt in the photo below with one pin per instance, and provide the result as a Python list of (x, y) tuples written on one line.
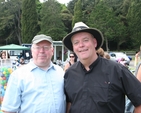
[(102, 89)]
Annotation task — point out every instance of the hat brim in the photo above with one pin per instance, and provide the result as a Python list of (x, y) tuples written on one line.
[(95, 32)]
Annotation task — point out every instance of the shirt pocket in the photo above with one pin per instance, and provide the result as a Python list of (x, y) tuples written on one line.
[(100, 93)]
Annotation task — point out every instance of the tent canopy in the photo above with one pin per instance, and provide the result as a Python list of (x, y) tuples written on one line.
[(14, 47)]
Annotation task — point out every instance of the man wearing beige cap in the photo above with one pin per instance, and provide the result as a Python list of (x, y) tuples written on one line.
[(95, 84), (37, 87)]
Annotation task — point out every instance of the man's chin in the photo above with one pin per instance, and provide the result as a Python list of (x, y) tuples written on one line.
[(84, 58), (41, 62)]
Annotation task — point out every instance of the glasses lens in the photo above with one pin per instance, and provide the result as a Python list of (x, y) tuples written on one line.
[(46, 48), (71, 56)]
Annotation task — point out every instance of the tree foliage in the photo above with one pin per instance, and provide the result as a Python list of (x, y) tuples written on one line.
[(51, 20), (106, 22), (77, 12), (119, 20), (134, 22), (29, 20), (10, 16), (71, 5), (66, 17)]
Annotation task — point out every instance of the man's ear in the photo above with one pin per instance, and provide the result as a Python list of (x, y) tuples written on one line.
[(95, 42), (52, 50)]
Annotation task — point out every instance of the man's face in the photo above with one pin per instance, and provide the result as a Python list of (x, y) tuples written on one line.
[(42, 53), (84, 45)]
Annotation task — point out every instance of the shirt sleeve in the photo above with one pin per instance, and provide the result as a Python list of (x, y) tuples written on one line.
[(132, 86)]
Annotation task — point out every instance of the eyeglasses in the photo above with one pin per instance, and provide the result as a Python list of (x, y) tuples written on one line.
[(46, 48), (71, 56)]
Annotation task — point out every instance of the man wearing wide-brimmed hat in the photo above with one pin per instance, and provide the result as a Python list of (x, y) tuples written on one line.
[(95, 84)]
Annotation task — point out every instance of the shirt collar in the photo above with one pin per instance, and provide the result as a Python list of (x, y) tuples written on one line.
[(32, 66), (93, 64)]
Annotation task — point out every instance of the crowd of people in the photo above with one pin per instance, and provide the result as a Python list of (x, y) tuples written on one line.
[(88, 83), (6, 61)]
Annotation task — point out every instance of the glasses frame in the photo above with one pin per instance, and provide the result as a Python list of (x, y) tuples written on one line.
[(72, 56), (45, 48)]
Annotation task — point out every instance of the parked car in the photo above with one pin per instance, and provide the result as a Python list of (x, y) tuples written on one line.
[(116, 56)]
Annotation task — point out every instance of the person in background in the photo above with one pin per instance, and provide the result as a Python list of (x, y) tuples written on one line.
[(22, 61), (21, 55), (106, 55), (121, 61), (103, 54), (36, 87), (95, 84), (15, 63), (100, 52), (5, 59), (137, 58), (4, 54), (138, 72), (59, 61), (72, 60), (129, 105)]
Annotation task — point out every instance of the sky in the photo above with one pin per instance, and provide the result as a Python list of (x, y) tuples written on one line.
[(61, 1)]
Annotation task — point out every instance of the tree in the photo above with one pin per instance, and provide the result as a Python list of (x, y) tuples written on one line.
[(134, 22), (119, 20), (29, 20), (103, 18), (38, 9), (71, 5), (77, 12), (67, 19), (10, 16), (51, 20), (88, 6)]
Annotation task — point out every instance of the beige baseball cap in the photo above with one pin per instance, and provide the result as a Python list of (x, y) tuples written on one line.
[(41, 37)]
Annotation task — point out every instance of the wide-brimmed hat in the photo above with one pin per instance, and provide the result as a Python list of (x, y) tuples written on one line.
[(81, 27), (41, 37)]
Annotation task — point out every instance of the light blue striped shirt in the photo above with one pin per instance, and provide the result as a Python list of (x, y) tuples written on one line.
[(33, 90)]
